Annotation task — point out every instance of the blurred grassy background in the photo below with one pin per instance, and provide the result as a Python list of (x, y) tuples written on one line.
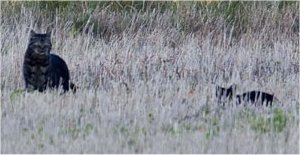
[(187, 17)]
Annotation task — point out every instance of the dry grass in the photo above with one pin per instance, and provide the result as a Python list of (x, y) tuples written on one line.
[(152, 91)]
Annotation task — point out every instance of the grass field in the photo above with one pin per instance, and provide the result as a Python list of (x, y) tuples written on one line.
[(148, 86)]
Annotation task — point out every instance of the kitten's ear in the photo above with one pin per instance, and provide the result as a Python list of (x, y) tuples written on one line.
[(32, 33), (234, 86)]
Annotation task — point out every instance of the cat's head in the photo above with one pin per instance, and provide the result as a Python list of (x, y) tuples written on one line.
[(40, 44), (225, 92)]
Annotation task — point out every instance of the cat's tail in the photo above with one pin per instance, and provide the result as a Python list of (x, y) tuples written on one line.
[(73, 87), (277, 101)]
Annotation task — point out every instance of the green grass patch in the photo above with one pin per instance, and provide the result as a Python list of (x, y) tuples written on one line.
[(16, 94)]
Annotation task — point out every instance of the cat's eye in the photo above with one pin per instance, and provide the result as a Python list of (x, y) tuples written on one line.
[(36, 46), (45, 48)]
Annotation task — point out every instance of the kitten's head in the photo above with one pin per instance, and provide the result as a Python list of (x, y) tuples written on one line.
[(232, 89), (40, 44), (225, 92)]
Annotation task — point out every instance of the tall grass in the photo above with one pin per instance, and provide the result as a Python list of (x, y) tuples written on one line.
[(147, 75)]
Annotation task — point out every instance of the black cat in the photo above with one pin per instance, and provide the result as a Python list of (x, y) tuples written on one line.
[(42, 69), (255, 97)]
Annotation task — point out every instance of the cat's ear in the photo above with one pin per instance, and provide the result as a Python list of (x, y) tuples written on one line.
[(32, 33), (48, 34), (233, 86)]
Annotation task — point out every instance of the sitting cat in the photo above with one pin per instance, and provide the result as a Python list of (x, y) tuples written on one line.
[(41, 69)]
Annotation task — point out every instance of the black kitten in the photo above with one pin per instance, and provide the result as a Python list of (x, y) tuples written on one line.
[(255, 97), (42, 69)]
